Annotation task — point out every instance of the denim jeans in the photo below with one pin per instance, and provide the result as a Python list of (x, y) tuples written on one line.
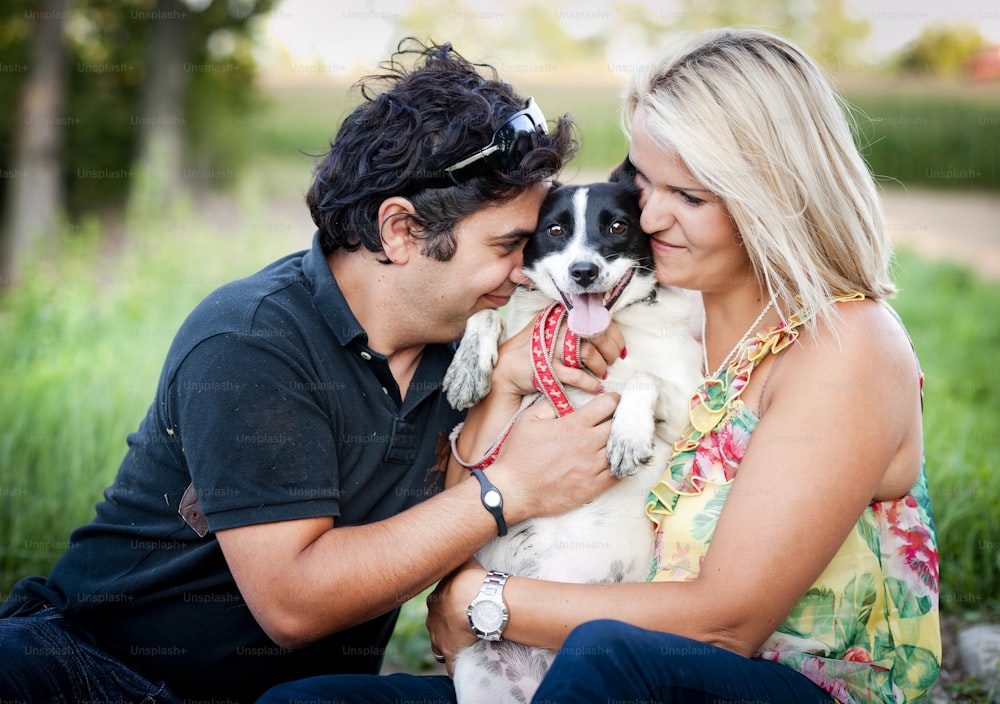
[(364, 689), (45, 658), (604, 661), (600, 662)]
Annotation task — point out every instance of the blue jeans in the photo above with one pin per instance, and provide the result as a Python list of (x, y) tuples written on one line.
[(364, 689), (604, 661), (600, 662), (45, 658)]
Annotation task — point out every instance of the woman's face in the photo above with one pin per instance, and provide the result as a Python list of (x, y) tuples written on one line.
[(694, 240)]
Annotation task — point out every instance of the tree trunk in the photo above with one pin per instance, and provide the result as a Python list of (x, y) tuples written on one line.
[(35, 195), (160, 153)]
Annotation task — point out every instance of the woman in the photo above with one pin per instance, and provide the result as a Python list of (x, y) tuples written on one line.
[(795, 557)]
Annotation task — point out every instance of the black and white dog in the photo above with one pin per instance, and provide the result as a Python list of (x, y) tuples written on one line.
[(591, 255)]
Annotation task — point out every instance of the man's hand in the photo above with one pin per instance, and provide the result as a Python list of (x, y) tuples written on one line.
[(550, 465)]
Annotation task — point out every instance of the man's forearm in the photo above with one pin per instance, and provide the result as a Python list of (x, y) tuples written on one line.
[(351, 574)]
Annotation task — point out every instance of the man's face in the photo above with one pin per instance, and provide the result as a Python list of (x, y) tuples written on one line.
[(486, 266)]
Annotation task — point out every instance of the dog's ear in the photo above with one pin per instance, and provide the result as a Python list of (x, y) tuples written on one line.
[(623, 173), (624, 177)]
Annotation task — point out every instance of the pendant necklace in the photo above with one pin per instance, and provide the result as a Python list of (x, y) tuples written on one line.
[(746, 335)]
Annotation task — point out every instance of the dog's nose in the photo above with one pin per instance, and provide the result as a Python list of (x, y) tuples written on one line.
[(583, 273)]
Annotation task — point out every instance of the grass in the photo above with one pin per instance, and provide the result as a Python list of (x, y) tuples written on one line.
[(82, 341), (951, 316), (942, 135)]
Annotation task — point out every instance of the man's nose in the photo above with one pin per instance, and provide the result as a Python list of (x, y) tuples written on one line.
[(517, 276)]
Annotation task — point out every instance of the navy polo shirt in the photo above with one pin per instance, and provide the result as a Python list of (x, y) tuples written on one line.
[(270, 407)]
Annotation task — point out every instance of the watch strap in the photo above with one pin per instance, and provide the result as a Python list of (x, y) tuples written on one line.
[(493, 584), (492, 500)]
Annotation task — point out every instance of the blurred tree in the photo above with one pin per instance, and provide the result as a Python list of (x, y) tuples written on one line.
[(159, 156), (35, 194), (179, 73), (941, 49), (198, 87)]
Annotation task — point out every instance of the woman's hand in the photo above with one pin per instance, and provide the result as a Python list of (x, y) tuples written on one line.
[(447, 621), (513, 373)]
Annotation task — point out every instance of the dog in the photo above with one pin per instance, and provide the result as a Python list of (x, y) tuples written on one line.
[(590, 255)]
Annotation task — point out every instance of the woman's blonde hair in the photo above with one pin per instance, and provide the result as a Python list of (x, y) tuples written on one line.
[(754, 119)]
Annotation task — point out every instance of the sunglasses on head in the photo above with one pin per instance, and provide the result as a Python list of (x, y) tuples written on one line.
[(512, 141)]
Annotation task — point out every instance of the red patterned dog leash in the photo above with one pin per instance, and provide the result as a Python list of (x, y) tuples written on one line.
[(543, 343)]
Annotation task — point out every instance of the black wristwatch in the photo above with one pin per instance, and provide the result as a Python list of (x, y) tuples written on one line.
[(492, 500)]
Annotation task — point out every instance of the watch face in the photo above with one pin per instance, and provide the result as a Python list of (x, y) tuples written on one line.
[(492, 498), (487, 616)]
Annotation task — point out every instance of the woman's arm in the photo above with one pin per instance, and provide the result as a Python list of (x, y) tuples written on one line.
[(836, 418)]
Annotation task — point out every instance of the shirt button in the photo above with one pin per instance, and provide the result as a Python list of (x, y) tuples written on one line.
[(385, 391), (365, 355)]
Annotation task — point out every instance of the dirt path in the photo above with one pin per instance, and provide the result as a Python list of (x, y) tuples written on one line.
[(956, 226)]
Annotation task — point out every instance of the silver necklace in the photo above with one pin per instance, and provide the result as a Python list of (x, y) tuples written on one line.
[(736, 347)]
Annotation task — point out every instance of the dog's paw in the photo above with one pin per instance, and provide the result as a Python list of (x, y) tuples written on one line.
[(627, 452), (633, 428), (467, 380)]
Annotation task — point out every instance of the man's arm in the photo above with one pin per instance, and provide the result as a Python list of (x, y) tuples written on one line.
[(304, 579)]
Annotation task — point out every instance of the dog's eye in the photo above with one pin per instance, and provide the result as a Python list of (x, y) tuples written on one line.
[(618, 228), (555, 230)]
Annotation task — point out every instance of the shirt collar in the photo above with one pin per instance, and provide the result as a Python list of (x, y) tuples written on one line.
[(329, 299)]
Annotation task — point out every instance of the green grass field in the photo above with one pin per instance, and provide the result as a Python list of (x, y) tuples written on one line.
[(82, 341)]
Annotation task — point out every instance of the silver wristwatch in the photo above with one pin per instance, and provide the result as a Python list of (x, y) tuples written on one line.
[(488, 613)]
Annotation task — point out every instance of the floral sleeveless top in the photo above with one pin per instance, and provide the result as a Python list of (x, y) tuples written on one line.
[(867, 630)]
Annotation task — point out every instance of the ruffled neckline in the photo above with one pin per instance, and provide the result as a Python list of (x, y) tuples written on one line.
[(718, 399)]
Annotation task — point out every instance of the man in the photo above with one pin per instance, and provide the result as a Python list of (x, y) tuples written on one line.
[(282, 498)]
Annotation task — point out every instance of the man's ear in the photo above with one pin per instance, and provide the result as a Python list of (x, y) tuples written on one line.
[(395, 219)]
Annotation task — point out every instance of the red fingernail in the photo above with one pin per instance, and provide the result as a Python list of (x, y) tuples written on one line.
[(624, 352), (605, 376)]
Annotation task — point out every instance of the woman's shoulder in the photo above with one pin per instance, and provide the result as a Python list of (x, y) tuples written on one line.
[(860, 330), (862, 351), (854, 383)]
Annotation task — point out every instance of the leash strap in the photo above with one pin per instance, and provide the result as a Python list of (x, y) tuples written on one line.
[(571, 350), (490, 456), (543, 343)]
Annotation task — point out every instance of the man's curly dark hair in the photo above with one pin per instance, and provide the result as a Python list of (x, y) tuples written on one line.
[(414, 122)]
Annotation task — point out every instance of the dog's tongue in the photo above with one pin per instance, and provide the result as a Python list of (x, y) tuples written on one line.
[(588, 316)]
